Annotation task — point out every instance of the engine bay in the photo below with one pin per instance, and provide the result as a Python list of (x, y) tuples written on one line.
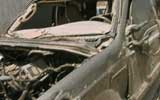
[(27, 75)]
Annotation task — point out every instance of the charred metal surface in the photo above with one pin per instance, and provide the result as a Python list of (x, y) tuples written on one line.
[(81, 49), (76, 29), (107, 58), (114, 55)]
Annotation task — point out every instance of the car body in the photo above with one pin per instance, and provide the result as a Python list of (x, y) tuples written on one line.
[(115, 56)]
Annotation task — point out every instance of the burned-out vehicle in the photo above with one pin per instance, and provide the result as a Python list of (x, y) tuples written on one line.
[(62, 50)]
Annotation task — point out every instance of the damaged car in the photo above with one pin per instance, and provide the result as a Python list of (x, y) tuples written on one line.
[(37, 51), (66, 50)]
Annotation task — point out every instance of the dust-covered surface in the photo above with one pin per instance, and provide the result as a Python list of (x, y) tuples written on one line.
[(79, 50), (9, 11)]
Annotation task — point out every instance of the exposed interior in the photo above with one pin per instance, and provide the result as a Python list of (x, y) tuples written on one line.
[(40, 15)]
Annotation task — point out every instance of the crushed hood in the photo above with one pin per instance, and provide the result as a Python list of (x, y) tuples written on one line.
[(82, 28)]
